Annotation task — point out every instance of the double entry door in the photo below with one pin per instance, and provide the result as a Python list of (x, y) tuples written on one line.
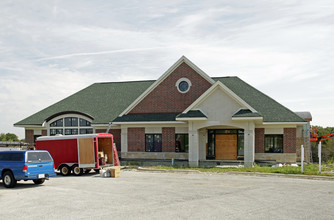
[(226, 146)]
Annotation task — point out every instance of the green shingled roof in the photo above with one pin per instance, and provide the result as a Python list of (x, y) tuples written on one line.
[(246, 113), (268, 108), (192, 114), (102, 101), (146, 117), (105, 101)]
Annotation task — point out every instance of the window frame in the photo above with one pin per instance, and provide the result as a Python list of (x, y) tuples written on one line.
[(186, 150), (70, 122), (183, 79), (274, 141), (154, 148)]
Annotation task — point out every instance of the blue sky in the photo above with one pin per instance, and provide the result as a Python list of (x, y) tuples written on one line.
[(52, 49)]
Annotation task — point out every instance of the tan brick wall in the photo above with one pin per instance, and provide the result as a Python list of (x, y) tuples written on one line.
[(168, 139), (279, 158), (166, 98), (155, 155)]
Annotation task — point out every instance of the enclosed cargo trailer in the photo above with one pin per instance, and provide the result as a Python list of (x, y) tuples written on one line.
[(78, 153)]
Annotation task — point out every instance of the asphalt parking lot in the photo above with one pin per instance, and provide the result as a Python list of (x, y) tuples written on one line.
[(156, 195)]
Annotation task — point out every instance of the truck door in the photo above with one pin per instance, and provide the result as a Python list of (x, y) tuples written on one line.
[(86, 155)]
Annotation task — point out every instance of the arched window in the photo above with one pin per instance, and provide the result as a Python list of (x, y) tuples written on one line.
[(70, 125)]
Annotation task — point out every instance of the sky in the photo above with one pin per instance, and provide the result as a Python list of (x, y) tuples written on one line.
[(51, 49)]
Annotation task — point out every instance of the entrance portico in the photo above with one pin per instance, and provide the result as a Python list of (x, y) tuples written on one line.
[(221, 143)]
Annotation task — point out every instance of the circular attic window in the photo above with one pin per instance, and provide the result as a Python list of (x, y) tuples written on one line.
[(183, 85)]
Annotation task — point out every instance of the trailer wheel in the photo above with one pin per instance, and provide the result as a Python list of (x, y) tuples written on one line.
[(8, 179), (76, 170), (87, 170), (65, 170), (39, 181)]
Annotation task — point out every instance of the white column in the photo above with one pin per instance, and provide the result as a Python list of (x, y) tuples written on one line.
[(124, 141), (193, 146), (249, 145)]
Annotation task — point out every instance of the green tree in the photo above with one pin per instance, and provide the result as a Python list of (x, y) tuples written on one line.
[(327, 146), (2, 137), (8, 137)]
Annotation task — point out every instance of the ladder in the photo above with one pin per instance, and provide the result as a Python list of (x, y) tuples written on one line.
[(115, 159)]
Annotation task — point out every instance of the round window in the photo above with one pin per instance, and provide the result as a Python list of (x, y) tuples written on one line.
[(183, 86)]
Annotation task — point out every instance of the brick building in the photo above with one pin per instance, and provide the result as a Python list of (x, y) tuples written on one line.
[(184, 115)]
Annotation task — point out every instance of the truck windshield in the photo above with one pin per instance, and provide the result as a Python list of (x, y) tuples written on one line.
[(35, 157)]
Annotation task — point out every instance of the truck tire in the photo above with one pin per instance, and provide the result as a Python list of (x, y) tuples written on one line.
[(65, 170), (76, 170), (39, 181), (8, 179)]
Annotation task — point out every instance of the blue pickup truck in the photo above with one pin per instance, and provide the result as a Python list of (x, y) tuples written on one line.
[(25, 165)]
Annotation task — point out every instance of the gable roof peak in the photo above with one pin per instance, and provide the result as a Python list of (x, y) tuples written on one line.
[(182, 59)]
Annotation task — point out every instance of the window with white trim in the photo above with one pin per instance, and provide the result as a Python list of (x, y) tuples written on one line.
[(70, 126), (183, 85)]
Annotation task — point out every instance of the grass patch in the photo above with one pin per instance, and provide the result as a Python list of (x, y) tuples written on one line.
[(311, 169)]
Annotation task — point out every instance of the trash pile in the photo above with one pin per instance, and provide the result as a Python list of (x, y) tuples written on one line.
[(285, 165), (111, 172)]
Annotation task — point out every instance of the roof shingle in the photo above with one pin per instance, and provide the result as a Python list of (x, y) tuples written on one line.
[(105, 101)]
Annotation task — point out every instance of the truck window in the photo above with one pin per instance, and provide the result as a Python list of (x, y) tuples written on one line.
[(11, 156), (35, 157)]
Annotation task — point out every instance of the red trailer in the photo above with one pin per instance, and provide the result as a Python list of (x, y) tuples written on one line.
[(78, 153)]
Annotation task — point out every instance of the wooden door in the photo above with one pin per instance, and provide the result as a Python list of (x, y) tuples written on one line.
[(226, 146), (86, 152)]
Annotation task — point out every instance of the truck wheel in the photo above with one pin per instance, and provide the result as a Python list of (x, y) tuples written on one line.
[(8, 179), (77, 171), (65, 170), (39, 181)]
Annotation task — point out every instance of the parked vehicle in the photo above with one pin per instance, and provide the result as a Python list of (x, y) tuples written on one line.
[(25, 165), (78, 153)]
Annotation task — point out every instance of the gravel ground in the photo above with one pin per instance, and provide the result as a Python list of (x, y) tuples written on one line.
[(170, 195)]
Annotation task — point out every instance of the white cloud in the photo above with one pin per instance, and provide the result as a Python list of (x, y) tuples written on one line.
[(51, 49)]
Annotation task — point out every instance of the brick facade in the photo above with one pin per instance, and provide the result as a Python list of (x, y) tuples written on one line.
[(289, 140), (44, 132), (136, 139), (29, 136), (100, 131), (259, 140), (166, 98), (117, 136), (168, 139)]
